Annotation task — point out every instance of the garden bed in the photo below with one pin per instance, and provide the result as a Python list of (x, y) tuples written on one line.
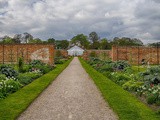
[(17, 102), (126, 105)]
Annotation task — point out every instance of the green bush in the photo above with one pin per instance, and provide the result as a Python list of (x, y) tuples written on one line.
[(2, 77), (8, 86), (36, 62), (151, 99), (119, 78), (38, 66), (58, 60), (27, 78), (132, 85), (151, 75), (93, 54), (8, 71), (20, 64), (106, 67), (120, 65)]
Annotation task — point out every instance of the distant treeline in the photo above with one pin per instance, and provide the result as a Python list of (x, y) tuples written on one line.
[(92, 41)]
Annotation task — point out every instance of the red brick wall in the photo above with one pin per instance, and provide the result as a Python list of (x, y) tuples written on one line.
[(10, 53), (97, 52), (135, 54), (63, 52)]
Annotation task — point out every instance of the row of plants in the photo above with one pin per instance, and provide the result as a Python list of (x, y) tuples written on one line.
[(145, 82), (126, 105), (13, 105), (14, 77)]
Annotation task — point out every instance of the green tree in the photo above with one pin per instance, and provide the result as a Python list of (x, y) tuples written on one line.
[(36, 40), (80, 40), (124, 41), (7, 40), (104, 44), (93, 37), (95, 45), (51, 40), (62, 44)]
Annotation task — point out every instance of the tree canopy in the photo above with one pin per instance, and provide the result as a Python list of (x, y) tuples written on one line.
[(80, 40)]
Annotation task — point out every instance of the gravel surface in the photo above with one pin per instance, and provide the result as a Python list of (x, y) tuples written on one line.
[(72, 96)]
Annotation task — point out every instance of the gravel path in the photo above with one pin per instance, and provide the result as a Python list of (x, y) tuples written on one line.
[(72, 96)]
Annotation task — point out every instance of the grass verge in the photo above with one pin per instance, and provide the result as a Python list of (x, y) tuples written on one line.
[(16, 103), (127, 106)]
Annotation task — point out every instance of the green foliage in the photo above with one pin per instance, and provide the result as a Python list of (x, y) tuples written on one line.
[(62, 44), (93, 36), (8, 86), (26, 78), (20, 64), (8, 71), (151, 99), (106, 67), (38, 66), (2, 77), (127, 106), (93, 54), (58, 54), (119, 78), (80, 40), (120, 65), (36, 62), (151, 75), (51, 40), (124, 41), (132, 85), (36, 40), (16, 103), (104, 44)]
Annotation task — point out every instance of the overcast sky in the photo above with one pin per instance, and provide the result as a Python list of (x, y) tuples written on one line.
[(63, 19)]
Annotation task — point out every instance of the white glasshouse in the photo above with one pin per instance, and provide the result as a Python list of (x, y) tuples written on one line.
[(75, 51)]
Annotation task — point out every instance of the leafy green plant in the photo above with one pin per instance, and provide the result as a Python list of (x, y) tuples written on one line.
[(93, 54), (132, 85), (151, 75), (151, 99), (119, 78), (9, 86), (2, 77), (20, 64), (38, 66), (8, 71), (120, 65), (36, 62), (58, 60), (26, 78)]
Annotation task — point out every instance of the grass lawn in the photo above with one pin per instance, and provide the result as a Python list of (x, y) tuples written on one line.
[(16, 103), (127, 106)]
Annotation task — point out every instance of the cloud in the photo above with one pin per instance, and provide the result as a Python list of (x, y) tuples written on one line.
[(63, 19)]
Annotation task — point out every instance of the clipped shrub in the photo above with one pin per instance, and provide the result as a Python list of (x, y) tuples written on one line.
[(8, 71)]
